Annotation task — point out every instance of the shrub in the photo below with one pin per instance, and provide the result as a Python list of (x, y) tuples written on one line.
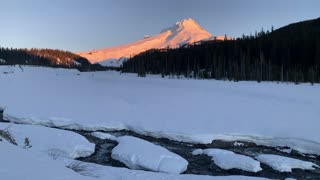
[(81, 168), (5, 134), (27, 144)]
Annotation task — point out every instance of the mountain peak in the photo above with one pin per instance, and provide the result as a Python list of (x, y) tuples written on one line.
[(188, 23), (181, 33)]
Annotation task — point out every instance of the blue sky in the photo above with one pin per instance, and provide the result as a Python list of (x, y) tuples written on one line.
[(78, 25)]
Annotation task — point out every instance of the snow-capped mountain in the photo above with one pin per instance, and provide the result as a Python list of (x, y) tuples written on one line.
[(184, 32)]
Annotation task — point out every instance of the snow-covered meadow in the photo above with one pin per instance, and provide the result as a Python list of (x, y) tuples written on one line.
[(197, 111), (186, 110)]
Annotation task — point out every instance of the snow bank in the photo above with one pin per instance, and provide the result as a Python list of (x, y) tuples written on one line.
[(104, 136), (140, 154), (18, 163), (196, 111), (285, 164), (285, 150), (53, 142), (229, 160)]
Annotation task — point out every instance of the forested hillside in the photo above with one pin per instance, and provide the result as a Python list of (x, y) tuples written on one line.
[(59, 57), (45, 57), (291, 53)]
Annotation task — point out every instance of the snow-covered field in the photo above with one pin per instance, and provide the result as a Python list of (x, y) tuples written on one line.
[(197, 111)]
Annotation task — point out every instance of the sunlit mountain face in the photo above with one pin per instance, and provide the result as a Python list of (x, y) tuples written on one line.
[(181, 33)]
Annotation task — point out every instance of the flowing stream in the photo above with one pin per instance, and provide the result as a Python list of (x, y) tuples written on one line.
[(202, 164)]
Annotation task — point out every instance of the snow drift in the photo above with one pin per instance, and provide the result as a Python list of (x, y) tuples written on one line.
[(285, 164), (229, 160), (140, 154), (50, 141)]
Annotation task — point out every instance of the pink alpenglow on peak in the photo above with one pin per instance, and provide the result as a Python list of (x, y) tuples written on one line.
[(181, 33)]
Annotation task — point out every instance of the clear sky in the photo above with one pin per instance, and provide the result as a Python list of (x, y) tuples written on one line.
[(78, 25)]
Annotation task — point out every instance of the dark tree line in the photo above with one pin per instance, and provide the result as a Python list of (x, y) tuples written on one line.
[(19, 56), (291, 53)]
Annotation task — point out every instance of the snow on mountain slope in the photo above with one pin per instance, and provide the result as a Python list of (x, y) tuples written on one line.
[(113, 62), (186, 31)]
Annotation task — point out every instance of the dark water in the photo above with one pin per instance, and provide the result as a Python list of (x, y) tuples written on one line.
[(202, 164), (1, 115)]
